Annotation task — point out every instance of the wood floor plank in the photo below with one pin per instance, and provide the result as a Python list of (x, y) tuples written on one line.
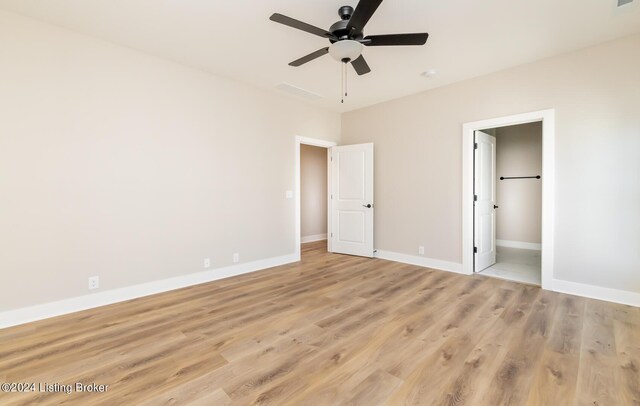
[(599, 378), (556, 377), (450, 347), (628, 347), (375, 389), (511, 383), (335, 330), (218, 398), (482, 363), (337, 363)]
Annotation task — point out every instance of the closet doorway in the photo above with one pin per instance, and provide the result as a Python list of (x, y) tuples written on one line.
[(309, 153), (507, 224), (508, 202)]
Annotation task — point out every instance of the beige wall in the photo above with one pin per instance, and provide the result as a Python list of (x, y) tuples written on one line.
[(596, 95), (119, 164), (313, 190), (519, 153)]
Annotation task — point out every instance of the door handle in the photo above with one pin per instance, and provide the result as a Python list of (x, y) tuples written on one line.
[(368, 206), (495, 207)]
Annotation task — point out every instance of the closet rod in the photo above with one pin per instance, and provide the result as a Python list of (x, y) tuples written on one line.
[(519, 177)]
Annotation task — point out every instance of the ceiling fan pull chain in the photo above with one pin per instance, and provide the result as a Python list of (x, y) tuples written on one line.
[(346, 79), (342, 83)]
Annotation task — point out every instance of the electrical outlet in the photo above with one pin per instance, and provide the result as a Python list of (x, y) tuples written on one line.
[(207, 262), (236, 258), (94, 282), (421, 250)]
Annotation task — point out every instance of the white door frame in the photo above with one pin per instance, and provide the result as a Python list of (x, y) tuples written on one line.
[(316, 143), (547, 117)]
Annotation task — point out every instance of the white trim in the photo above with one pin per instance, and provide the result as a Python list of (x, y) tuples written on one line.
[(519, 244), (312, 238), (316, 143), (419, 261), (548, 189), (75, 304), (597, 292)]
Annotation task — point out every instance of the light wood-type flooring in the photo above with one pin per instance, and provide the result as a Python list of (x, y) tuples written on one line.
[(336, 330)]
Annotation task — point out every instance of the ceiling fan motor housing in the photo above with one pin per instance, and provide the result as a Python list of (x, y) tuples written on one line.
[(345, 12), (340, 30)]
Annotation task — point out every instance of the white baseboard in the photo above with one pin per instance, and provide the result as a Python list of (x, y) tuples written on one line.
[(312, 238), (571, 288), (419, 261), (519, 244), (597, 292), (75, 304)]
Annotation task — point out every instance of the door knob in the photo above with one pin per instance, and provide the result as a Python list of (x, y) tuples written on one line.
[(368, 206), (495, 207)]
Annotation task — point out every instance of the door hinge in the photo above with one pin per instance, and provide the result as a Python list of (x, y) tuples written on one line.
[(475, 145), (475, 198), (475, 250)]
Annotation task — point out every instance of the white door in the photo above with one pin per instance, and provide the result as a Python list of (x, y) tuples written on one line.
[(352, 200), (484, 201)]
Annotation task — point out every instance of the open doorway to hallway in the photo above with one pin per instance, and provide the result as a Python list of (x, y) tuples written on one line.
[(313, 193), (312, 181)]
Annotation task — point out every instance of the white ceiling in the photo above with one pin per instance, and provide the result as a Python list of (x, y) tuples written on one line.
[(235, 38)]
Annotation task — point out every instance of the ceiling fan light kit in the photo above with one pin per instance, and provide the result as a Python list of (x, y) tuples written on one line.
[(347, 37), (345, 51)]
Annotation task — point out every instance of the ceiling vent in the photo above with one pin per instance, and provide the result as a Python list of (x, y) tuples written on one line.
[(296, 91), (624, 2)]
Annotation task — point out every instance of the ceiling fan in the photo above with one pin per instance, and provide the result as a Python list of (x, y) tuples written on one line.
[(347, 37)]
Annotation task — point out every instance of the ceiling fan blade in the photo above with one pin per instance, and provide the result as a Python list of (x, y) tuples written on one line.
[(395, 39), (290, 22), (363, 12), (361, 66), (310, 57)]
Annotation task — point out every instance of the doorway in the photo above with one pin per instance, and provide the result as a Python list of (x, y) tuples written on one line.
[(313, 194), (508, 208), (350, 206), (311, 151), (546, 120)]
